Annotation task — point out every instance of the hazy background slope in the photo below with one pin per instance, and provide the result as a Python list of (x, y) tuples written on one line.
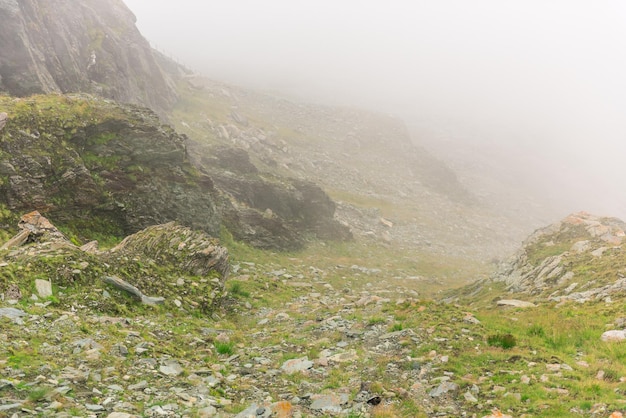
[(524, 97)]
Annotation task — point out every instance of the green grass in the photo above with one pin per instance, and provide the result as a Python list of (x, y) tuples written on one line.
[(236, 289), (225, 348), (505, 341)]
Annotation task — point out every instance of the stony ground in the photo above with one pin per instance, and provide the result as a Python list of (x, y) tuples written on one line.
[(292, 339)]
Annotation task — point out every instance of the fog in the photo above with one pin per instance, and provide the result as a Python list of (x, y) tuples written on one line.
[(533, 90)]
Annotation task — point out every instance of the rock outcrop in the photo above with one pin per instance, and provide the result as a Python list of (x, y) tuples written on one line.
[(100, 167), (579, 258), (178, 267), (91, 46), (268, 211)]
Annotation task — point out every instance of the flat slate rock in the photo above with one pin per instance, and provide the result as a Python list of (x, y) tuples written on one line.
[(516, 303)]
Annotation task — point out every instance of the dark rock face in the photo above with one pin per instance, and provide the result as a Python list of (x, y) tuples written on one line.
[(116, 164), (90, 46), (270, 212)]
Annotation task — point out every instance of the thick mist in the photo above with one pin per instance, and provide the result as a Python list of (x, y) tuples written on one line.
[(531, 92)]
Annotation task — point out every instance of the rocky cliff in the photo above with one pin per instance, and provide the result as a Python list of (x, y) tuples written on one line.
[(90, 46)]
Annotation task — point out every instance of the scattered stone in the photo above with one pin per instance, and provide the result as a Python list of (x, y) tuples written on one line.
[(581, 246), (13, 314), (296, 365), (10, 406), (44, 288), (3, 119), (171, 368), (329, 403), (127, 287), (94, 408), (443, 388), (598, 252), (469, 397), (345, 357), (613, 336), (516, 303)]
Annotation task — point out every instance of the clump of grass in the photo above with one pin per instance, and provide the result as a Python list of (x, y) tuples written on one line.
[(506, 341), (38, 394), (237, 289), (536, 330), (396, 327), (225, 348), (375, 321)]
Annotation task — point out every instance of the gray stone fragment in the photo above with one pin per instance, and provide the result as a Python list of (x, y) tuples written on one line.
[(329, 403), (3, 119), (94, 408), (469, 397), (516, 303), (443, 388), (171, 368), (12, 313), (10, 406), (138, 386), (209, 411), (296, 365), (121, 415), (613, 336), (44, 288)]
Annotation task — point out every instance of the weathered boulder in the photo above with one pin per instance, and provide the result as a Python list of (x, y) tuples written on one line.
[(613, 336), (189, 251)]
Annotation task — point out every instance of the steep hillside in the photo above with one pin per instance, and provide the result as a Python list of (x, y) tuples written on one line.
[(388, 191), (88, 46), (104, 170)]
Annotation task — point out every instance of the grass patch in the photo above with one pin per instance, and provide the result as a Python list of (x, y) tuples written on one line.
[(225, 348), (236, 289)]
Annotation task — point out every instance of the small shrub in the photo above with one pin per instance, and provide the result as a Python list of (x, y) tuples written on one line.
[(505, 341), (38, 394)]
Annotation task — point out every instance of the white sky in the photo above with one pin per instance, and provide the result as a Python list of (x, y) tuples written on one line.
[(548, 74)]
